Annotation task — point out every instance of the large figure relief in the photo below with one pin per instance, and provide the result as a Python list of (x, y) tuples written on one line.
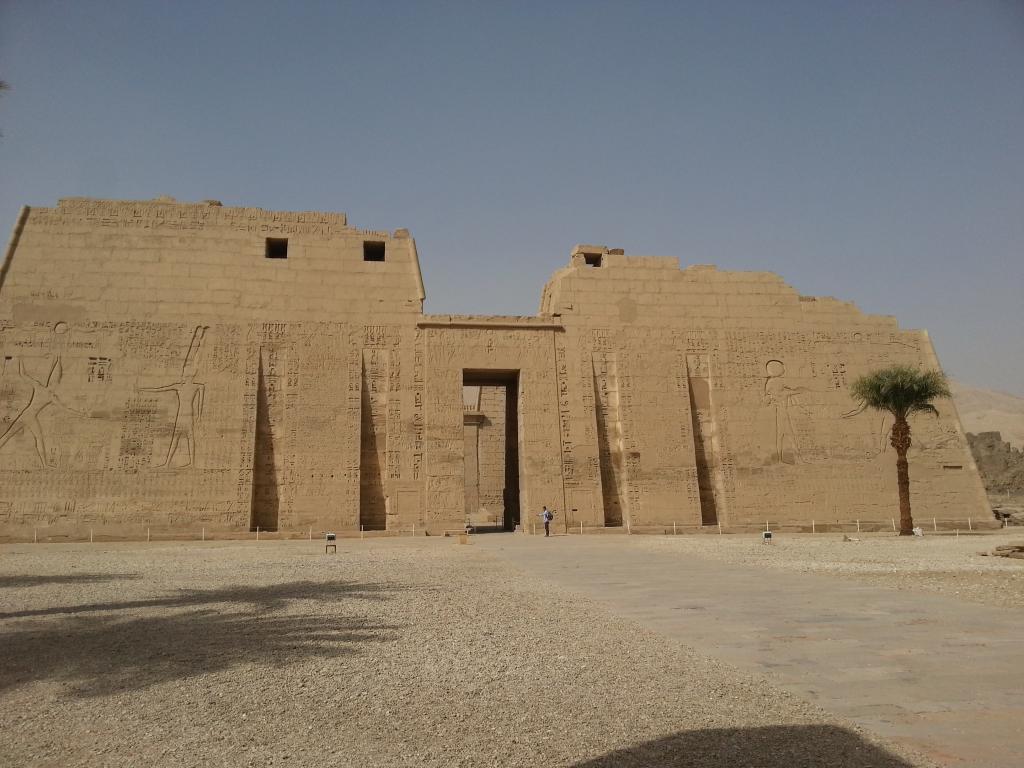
[(788, 409), (43, 394), (190, 396)]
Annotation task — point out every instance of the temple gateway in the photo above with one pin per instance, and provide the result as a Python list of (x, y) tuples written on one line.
[(171, 366)]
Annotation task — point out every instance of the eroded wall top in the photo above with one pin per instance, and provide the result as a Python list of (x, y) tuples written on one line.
[(602, 285)]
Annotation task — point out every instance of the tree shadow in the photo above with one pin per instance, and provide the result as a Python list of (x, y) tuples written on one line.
[(77, 578), (104, 654), (807, 746), (270, 597)]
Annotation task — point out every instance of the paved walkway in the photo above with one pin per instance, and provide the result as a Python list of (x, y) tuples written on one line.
[(942, 676)]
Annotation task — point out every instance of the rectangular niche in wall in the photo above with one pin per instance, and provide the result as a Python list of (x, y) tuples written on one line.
[(277, 248), (374, 250)]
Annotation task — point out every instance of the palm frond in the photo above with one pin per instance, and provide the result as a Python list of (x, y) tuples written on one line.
[(900, 390), (925, 408)]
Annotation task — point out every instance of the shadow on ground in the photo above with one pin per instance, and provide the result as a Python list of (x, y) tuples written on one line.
[(78, 578), (269, 598), (217, 630), (785, 746)]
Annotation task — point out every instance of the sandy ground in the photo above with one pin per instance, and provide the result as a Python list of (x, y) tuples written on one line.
[(942, 563), (390, 653)]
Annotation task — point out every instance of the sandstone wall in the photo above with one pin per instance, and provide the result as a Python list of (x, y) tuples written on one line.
[(160, 371), (166, 323), (763, 379)]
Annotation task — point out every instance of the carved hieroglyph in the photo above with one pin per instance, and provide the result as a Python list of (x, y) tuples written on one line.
[(159, 371)]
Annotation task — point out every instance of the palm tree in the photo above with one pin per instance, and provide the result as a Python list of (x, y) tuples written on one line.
[(902, 391)]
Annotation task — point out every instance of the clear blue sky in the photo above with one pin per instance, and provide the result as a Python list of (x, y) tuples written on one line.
[(872, 151)]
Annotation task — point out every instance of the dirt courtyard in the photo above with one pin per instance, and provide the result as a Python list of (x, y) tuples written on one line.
[(943, 563), (389, 653)]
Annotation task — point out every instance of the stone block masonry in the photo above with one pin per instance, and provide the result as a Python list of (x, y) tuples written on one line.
[(171, 367)]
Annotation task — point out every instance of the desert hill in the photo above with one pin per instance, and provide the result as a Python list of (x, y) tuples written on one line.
[(994, 422), (983, 410)]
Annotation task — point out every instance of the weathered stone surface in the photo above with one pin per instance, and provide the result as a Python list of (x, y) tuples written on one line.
[(1000, 464), (160, 371)]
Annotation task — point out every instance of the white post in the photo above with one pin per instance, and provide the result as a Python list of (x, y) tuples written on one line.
[(673, 528), (629, 529), (360, 531), (257, 533), (719, 527), (204, 534), (581, 527), (766, 525), (812, 527), (147, 534), (958, 533), (970, 524), (90, 535), (935, 525), (893, 519), (35, 536), (858, 526)]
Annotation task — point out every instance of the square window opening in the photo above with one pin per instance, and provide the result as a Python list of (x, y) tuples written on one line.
[(277, 248), (373, 250), (592, 259)]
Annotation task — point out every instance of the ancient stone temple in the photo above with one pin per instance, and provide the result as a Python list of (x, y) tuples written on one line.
[(172, 366)]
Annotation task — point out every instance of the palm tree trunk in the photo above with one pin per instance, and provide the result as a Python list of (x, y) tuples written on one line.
[(901, 442), (903, 481)]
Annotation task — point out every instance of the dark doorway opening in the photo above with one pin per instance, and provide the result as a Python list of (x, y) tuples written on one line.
[(490, 424)]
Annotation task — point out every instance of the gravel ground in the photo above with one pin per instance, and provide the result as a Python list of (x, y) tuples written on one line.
[(391, 653), (946, 564)]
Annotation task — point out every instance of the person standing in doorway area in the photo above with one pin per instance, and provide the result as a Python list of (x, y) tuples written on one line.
[(547, 516)]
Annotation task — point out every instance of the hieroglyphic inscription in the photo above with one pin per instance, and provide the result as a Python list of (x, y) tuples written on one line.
[(99, 370), (393, 424), (172, 217), (564, 412), (418, 423), (137, 420)]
